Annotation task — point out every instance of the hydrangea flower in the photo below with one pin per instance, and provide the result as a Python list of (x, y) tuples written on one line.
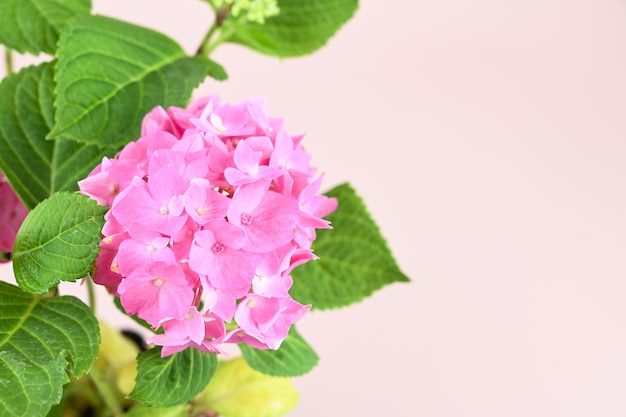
[(12, 214), (210, 211)]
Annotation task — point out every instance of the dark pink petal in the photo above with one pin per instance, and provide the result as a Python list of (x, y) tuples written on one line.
[(12, 214), (155, 121)]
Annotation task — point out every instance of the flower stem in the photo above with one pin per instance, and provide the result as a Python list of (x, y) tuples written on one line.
[(8, 61), (91, 293), (221, 38), (208, 44), (202, 50), (107, 395)]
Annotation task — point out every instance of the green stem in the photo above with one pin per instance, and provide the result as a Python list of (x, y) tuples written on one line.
[(222, 37), (91, 293), (207, 39), (108, 396), (8, 60), (207, 45)]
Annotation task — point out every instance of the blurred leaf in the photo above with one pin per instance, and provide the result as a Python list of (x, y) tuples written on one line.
[(141, 410), (34, 25), (354, 258), (37, 167), (111, 73), (40, 339), (116, 349), (58, 241), (173, 380), (56, 410), (301, 27), (237, 390), (295, 357)]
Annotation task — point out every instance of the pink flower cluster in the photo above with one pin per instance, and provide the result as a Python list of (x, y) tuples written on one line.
[(210, 211), (12, 214)]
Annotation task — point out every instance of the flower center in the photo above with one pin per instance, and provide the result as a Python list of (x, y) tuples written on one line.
[(217, 248), (245, 219), (158, 282)]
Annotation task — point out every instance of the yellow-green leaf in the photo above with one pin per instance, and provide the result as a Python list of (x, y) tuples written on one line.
[(237, 390)]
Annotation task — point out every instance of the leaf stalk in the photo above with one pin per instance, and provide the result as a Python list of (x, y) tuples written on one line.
[(208, 44), (91, 293), (8, 61), (107, 395)]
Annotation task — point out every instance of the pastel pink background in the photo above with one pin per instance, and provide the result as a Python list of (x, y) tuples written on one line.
[(488, 140)]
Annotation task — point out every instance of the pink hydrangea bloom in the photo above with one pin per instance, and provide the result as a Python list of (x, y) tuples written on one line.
[(12, 214), (210, 211)]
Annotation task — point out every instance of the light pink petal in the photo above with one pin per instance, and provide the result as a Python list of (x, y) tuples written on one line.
[(204, 204), (156, 293), (221, 302), (214, 252), (269, 225)]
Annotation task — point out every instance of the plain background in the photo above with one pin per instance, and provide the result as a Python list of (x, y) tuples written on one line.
[(488, 140)]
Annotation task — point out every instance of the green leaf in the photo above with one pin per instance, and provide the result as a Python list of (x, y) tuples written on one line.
[(173, 380), (295, 357), (58, 241), (40, 339), (36, 167), (301, 27), (354, 258), (216, 71), (111, 73), (141, 410), (237, 390), (34, 25)]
